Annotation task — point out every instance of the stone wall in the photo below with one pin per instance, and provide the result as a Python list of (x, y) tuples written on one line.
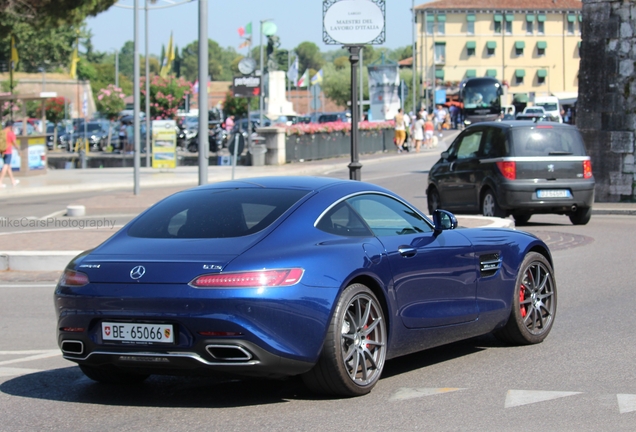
[(606, 107)]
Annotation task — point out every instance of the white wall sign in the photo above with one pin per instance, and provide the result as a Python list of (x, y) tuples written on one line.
[(353, 22)]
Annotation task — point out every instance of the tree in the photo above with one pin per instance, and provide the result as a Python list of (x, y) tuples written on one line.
[(309, 56), (219, 61), (237, 106), (166, 94)]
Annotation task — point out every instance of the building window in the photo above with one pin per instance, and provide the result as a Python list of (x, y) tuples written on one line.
[(440, 53), (509, 20), (571, 24), (519, 46), (541, 23), (498, 18), (470, 24), (441, 24), (490, 48), (470, 48), (519, 74), (529, 24), (430, 24), (471, 73), (541, 46), (491, 73), (541, 74)]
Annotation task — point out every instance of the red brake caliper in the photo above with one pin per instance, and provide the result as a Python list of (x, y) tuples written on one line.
[(522, 297)]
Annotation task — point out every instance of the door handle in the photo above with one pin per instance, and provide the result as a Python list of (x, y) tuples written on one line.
[(407, 251)]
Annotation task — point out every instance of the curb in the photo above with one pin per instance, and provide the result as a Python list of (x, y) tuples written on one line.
[(40, 261)]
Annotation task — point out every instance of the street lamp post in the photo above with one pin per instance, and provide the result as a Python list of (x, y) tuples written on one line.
[(136, 89), (147, 92), (203, 92), (261, 98)]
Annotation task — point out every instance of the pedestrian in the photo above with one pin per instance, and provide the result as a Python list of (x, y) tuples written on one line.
[(400, 130), (130, 138), (407, 128), (429, 131), (123, 142), (418, 132), (229, 123), (8, 141), (454, 112), (440, 117)]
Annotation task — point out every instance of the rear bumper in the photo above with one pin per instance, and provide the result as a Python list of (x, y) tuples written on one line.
[(522, 197)]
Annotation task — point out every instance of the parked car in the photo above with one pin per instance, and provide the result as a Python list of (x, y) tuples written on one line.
[(533, 110), (537, 117), (514, 168), (207, 280), (96, 132), (51, 133), (334, 117)]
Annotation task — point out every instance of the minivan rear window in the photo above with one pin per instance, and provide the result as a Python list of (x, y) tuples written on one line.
[(547, 141), (215, 213)]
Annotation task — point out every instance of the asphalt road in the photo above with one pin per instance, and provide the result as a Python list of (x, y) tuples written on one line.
[(581, 378)]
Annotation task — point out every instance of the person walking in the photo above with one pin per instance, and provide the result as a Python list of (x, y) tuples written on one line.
[(418, 132), (400, 130), (8, 140), (429, 131), (440, 118)]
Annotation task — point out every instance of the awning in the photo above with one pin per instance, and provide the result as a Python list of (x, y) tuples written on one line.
[(470, 17), (521, 98), (430, 18), (541, 18), (471, 44), (571, 18), (471, 73), (491, 44), (520, 73), (440, 43), (542, 45), (498, 17), (566, 98), (439, 73), (491, 73), (520, 44), (542, 73), (441, 17), (530, 17), (510, 18)]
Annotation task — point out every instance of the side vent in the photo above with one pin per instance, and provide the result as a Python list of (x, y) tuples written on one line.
[(489, 264)]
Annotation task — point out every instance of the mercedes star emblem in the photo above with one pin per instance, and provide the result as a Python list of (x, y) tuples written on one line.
[(137, 272)]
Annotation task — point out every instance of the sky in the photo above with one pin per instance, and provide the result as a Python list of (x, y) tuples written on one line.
[(297, 21)]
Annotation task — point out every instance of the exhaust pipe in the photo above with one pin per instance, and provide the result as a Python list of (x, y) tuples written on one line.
[(229, 353), (574, 208), (72, 347)]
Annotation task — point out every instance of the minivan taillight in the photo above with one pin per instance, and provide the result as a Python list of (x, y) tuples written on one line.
[(587, 169), (508, 169)]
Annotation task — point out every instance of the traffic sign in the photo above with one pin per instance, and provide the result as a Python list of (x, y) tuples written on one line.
[(315, 104), (315, 90)]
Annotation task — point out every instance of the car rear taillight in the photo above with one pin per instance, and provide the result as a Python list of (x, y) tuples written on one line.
[(259, 278), (587, 169), (508, 169), (73, 278)]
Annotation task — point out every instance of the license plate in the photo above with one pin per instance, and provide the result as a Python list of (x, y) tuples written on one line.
[(132, 332), (554, 193)]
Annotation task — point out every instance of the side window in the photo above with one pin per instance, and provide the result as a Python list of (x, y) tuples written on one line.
[(387, 216), (342, 220), (469, 145), (494, 143)]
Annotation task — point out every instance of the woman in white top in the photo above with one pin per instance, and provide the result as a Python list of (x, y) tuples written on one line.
[(418, 132)]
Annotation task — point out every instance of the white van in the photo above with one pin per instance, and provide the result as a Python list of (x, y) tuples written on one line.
[(550, 105)]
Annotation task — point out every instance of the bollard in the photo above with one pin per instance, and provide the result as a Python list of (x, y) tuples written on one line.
[(82, 156)]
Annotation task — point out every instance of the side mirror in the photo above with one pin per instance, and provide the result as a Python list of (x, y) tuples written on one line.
[(444, 155), (444, 220)]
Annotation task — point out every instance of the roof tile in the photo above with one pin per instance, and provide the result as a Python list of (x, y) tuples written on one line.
[(543, 5)]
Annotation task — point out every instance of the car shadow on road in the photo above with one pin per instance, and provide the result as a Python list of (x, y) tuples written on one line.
[(223, 391)]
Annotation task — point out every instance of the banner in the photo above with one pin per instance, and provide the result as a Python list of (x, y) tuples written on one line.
[(384, 81), (164, 144)]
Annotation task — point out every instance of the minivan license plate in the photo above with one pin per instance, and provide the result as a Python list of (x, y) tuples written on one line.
[(134, 332), (554, 193)]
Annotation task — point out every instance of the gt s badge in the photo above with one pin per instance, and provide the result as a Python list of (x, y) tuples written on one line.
[(212, 267)]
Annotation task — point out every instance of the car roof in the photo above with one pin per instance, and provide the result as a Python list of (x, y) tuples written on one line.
[(294, 182), (508, 124)]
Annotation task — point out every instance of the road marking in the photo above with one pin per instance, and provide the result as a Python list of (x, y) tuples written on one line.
[(525, 397), (54, 215), (5, 371), (31, 355), (412, 393), (626, 403)]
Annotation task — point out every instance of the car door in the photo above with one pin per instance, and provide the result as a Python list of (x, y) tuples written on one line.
[(434, 274), (457, 184)]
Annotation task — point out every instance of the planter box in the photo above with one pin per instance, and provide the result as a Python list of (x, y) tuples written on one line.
[(328, 145)]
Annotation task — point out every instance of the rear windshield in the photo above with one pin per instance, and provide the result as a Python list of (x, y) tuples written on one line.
[(215, 213), (547, 141), (548, 106)]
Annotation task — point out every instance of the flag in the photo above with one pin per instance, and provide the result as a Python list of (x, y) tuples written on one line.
[(303, 81), (247, 30), (246, 43), (14, 54), (317, 79), (167, 62), (74, 60), (292, 73)]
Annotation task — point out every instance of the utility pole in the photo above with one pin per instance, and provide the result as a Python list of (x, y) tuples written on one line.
[(203, 92), (147, 145), (136, 92)]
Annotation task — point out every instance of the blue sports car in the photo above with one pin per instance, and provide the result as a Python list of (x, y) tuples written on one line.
[(282, 276)]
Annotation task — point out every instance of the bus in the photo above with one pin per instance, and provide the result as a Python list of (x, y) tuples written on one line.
[(481, 99)]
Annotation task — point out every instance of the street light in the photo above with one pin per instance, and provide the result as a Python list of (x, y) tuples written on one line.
[(261, 100)]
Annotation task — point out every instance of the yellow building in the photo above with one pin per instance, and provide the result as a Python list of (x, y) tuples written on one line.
[(530, 46)]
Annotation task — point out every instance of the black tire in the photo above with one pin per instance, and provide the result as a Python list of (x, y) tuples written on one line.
[(521, 219), (581, 216), (433, 199), (534, 303), (490, 206), (112, 375), (357, 332)]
